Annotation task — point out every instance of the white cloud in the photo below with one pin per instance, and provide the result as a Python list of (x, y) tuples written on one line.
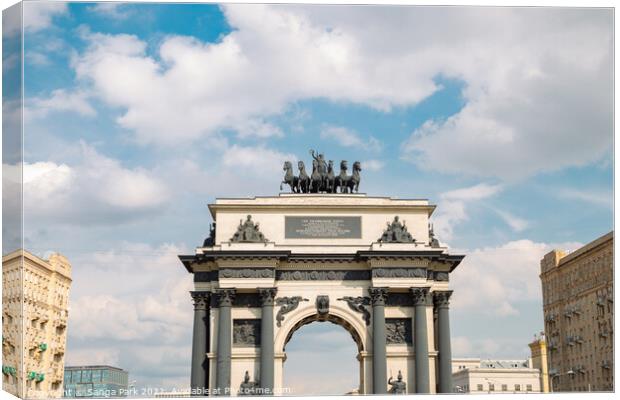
[(531, 105), (114, 11), (38, 15), (130, 306), (495, 280), (59, 100), (256, 160), (348, 138), (594, 197), (516, 224), (476, 192), (373, 165), (98, 189), (452, 207)]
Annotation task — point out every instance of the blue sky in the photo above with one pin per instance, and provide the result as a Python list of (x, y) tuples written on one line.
[(138, 115)]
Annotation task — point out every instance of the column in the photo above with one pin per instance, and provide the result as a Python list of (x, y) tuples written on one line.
[(378, 297), (420, 337), (225, 298), (267, 354), (442, 303), (200, 344)]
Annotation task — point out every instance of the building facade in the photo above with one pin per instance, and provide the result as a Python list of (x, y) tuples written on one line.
[(95, 381), (274, 264), (578, 311), (472, 375), (35, 295), (538, 349)]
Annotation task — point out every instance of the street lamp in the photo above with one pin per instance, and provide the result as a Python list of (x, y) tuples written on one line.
[(569, 372)]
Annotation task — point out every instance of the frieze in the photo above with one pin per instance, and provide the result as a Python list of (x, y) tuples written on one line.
[(246, 332), (287, 304), (399, 300), (205, 276), (323, 275), (441, 276), (252, 273), (358, 304), (398, 331), (247, 300), (399, 273)]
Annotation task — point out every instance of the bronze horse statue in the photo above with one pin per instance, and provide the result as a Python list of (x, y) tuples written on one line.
[(323, 178), (303, 183), (290, 178), (341, 180), (330, 178), (316, 180), (353, 184)]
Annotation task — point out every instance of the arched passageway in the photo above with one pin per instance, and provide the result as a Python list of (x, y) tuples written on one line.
[(321, 358)]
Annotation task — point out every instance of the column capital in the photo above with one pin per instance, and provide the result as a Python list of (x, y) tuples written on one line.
[(441, 298), (420, 295), (378, 295), (201, 300), (225, 297), (267, 296)]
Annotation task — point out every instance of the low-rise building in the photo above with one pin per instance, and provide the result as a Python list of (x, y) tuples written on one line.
[(35, 296), (96, 381), (473, 375), (578, 313)]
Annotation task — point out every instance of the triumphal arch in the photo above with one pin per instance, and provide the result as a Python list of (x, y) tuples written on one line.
[(321, 253)]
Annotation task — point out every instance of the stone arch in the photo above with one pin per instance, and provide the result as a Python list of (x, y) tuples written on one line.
[(336, 315)]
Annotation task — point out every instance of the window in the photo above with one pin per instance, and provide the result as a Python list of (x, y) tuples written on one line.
[(86, 376), (528, 388), (96, 375), (504, 388), (75, 376), (479, 388), (491, 387), (517, 388), (43, 325), (55, 385), (60, 330)]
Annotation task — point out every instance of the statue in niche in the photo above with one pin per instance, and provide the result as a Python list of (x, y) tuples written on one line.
[(248, 231), (397, 386), (247, 388), (431, 237), (396, 232)]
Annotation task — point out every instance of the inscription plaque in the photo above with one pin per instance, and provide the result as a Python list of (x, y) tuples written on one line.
[(323, 227)]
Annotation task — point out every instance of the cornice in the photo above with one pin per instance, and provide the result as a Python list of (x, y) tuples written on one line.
[(288, 256)]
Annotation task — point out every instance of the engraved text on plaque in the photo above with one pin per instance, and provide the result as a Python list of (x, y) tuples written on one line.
[(323, 227)]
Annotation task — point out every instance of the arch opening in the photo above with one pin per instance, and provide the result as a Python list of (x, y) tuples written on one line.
[(321, 359), (334, 319)]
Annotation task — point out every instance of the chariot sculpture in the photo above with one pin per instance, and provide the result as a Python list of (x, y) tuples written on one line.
[(323, 179)]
